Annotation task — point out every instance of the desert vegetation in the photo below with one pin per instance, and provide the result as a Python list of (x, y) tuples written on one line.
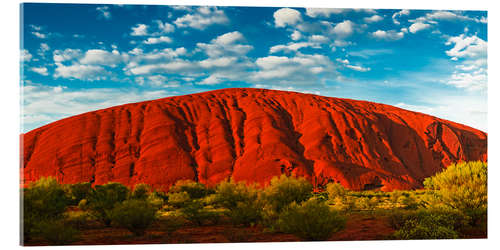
[(452, 205)]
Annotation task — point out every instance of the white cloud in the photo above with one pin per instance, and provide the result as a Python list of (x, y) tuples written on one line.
[(344, 28), (218, 62), (471, 46), (104, 12), (323, 12), (157, 40), (44, 47), (44, 104), (296, 35), (471, 73), (358, 68), (40, 70), (81, 72), (39, 34), (286, 16), (66, 55), (388, 35), (292, 47), (26, 55), (398, 14), (229, 38), (139, 30), (414, 28), (166, 67), (165, 27), (301, 69), (102, 57), (204, 17), (319, 39), (225, 45), (211, 80), (353, 67), (373, 19), (474, 81)]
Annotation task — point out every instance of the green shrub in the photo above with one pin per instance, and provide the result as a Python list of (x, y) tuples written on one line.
[(141, 191), (178, 199), (241, 201), (103, 198), (312, 220), (461, 186), (78, 219), (195, 212), (78, 191), (44, 200), (428, 223), (246, 214), (195, 190), (335, 190), (56, 232), (413, 230), (284, 190), (134, 215)]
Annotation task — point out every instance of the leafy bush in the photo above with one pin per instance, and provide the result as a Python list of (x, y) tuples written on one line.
[(335, 190), (134, 215), (141, 191), (178, 199), (462, 186), (241, 201), (284, 190), (44, 200), (78, 219), (103, 198), (195, 212), (312, 220), (246, 214), (413, 229), (56, 232), (78, 191), (428, 223), (195, 190)]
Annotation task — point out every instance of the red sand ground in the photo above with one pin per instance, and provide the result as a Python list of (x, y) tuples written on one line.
[(357, 228), (250, 135)]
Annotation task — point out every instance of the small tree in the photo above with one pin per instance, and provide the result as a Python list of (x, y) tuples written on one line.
[(195, 190), (135, 215), (43, 201), (335, 190), (141, 191), (461, 186), (78, 191), (284, 190), (103, 198), (312, 220)]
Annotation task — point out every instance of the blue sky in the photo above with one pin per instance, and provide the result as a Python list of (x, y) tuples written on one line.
[(79, 58)]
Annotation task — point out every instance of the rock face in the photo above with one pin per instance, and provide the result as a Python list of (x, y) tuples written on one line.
[(250, 135)]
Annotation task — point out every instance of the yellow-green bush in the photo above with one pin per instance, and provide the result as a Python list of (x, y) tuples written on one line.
[(461, 186), (311, 220), (43, 201), (103, 198), (284, 190), (135, 215)]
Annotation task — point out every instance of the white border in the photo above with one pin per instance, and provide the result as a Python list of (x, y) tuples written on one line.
[(10, 122)]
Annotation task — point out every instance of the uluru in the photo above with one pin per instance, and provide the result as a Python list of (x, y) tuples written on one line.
[(249, 135)]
